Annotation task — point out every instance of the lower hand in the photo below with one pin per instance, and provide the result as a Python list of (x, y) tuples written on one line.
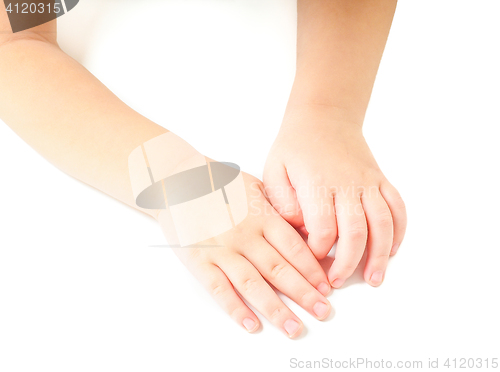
[(262, 249)]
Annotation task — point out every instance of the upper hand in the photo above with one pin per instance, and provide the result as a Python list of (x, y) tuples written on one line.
[(323, 179)]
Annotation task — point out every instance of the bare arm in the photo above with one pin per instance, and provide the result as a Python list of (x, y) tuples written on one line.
[(339, 47), (74, 121), (65, 113), (320, 149)]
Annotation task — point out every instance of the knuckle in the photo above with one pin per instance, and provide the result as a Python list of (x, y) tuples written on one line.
[(384, 219), (380, 256), (305, 297), (345, 270), (297, 248), (233, 312), (276, 314), (278, 270), (357, 232), (218, 289), (399, 203), (326, 232), (249, 285)]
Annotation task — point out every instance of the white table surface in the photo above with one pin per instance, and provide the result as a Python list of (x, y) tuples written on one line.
[(82, 288)]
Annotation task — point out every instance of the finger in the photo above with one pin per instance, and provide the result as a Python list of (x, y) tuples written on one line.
[(250, 284), (282, 195), (294, 249), (380, 237), (277, 271), (218, 285), (319, 219), (398, 211), (352, 239)]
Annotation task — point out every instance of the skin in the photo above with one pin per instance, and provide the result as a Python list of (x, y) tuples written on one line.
[(262, 249), (68, 116), (320, 173)]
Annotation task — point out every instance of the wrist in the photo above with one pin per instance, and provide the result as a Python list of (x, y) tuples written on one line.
[(312, 93), (155, 161), (321, 118)]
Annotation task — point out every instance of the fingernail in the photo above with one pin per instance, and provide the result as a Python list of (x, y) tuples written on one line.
[(249, 324), (395, 248), (377, 277), (320, 309), (291, 327), (323, 288), (337, 283)]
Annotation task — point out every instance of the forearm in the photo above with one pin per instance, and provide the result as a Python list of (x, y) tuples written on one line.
[(68, 116), (339, 47)]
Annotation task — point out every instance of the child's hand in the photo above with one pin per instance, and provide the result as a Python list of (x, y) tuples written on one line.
[(262, 248), (323, 179)]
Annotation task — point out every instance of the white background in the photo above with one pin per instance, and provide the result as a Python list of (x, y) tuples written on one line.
[(81, 288)]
